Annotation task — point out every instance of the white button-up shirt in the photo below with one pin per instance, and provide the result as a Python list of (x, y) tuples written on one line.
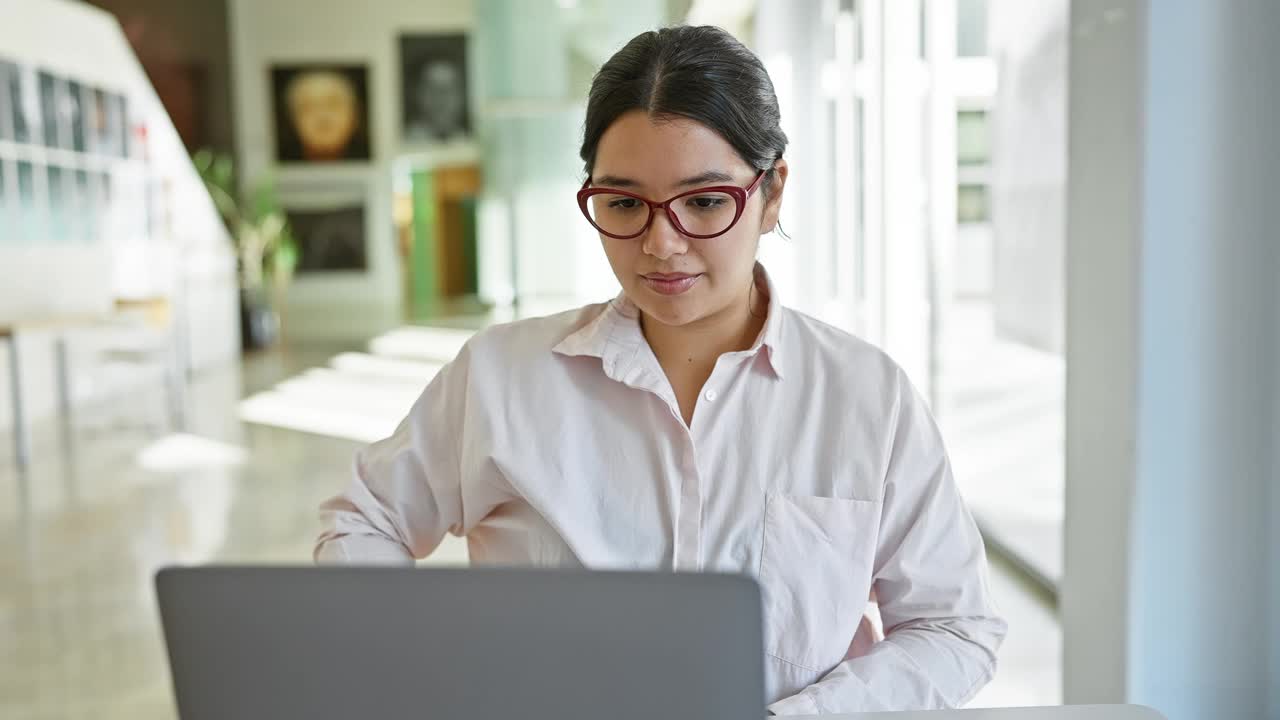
[(810, 464)]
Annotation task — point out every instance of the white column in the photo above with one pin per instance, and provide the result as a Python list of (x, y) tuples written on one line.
[(869, 80), (901, 177), (1103, 236), (1172, 568), (941, 221), (793, 39)]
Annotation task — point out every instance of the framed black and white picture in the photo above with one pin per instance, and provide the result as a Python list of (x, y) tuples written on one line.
[(330, 238), (434, 88), (321, 113)]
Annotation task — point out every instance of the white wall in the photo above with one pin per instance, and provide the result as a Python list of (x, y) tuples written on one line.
[(348, 306), (188, 260), (1173, 338)]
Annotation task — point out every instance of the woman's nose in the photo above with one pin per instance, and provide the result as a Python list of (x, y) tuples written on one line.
[(662, 239)]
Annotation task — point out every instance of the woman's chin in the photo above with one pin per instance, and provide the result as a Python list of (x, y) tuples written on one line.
[(672, 312)]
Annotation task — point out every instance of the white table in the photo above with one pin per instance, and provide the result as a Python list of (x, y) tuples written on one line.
[(1069, 712), (156, 310), (21, 434)]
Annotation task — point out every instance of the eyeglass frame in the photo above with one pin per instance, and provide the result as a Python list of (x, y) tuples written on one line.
[(740, 196)]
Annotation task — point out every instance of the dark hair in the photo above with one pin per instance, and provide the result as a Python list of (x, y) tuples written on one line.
[(698, 72)]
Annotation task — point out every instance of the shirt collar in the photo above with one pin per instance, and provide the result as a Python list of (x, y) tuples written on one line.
[(615, 336)]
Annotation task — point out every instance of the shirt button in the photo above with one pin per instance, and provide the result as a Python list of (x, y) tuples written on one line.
[(711, 395)]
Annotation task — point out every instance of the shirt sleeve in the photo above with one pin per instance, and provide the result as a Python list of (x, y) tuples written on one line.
[(408, 490), (942, 630)]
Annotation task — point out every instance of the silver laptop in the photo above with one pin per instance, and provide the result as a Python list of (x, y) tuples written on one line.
[(381, 643)]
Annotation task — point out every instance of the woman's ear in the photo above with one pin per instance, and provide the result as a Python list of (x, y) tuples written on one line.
[(773, 201)]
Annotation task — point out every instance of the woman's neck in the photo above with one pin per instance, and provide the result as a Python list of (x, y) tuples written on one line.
[(695, 347)]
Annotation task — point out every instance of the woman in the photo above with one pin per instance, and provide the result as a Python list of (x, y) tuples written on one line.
[(695, 423)]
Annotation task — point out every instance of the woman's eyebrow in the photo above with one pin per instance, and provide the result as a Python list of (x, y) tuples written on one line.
[(710, 176), (614, 181), (706, 178)]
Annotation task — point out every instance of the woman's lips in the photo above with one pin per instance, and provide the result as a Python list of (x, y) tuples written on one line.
[(670, 283)]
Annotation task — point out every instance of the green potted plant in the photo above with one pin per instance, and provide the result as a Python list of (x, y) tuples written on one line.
[(266, 251)]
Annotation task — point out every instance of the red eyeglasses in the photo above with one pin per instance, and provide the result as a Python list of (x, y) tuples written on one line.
[(702, 213)]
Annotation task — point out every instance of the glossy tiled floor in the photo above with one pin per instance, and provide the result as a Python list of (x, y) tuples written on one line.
[(82, 535)]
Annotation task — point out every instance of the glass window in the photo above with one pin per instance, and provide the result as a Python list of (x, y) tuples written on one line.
[(11, 87), (6, 115), (97, 126), (8, 233), (923, 31), (75, 108), (82, 201), (100, 201), (26, 183), (971, 28), (118, 117), (853, 9), (973, 204), (973, 140), (60, 209), (49, 109), (861, 281), (29, 214), (102, 193), (833, 217)]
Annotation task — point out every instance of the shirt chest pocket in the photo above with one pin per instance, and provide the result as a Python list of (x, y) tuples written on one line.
[(815, 572)]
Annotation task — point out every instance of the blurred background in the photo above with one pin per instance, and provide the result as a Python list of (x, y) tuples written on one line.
[(237, 238)]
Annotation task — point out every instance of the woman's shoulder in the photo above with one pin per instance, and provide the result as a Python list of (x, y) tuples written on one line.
[(832, 345), (854, 366)]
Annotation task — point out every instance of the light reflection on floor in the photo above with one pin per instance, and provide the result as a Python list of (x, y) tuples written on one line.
[(357, 396)]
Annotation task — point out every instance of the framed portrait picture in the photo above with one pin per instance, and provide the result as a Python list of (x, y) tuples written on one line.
[(330, 238), (321, 113), (434, 88)]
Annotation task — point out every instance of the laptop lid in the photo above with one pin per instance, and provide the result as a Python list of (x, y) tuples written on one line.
[(325, 643)]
